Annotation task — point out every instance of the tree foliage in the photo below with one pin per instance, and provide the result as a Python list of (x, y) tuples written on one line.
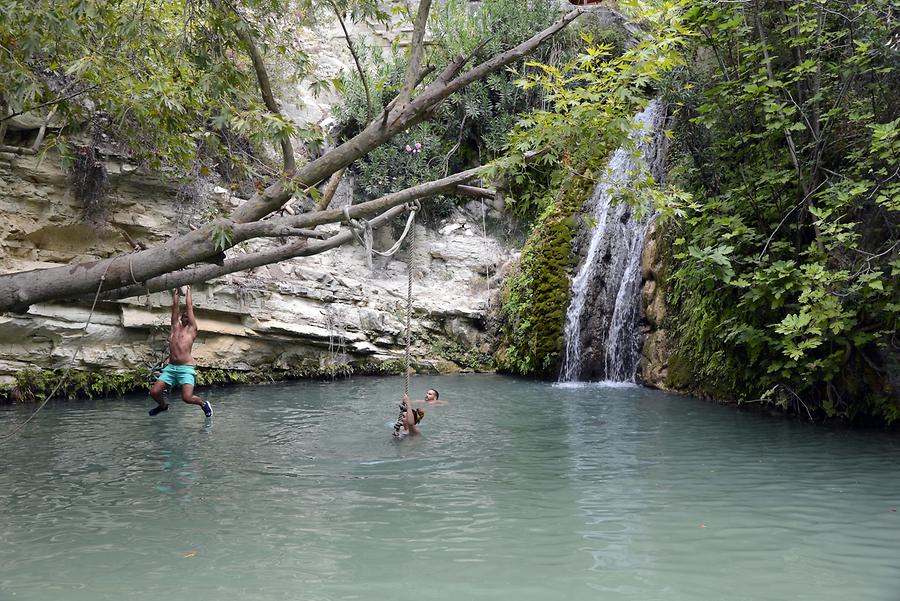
[(159, 81), (785, 279), (203, 251), (590, 101)]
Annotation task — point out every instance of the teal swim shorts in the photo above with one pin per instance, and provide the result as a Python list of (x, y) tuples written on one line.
[(176, 375)]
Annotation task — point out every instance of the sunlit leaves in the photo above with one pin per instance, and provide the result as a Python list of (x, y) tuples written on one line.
[(592, 99)]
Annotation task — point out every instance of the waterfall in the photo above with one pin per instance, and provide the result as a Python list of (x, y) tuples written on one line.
[(602, 332)]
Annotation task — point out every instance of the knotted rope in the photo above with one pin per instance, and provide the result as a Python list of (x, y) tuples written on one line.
[(362, 231)]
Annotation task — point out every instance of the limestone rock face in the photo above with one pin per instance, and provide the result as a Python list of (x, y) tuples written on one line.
[(304, 313)]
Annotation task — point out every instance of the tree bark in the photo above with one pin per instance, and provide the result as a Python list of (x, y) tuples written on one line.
[(130, 274), (300, 248)]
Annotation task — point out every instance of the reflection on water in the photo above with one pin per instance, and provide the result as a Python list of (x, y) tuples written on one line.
[(516, 490)]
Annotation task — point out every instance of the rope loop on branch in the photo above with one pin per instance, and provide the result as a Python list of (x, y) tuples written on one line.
[(362, 231)]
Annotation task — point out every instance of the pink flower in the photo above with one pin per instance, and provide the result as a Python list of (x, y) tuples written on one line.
[(418, 146), (408, 148)]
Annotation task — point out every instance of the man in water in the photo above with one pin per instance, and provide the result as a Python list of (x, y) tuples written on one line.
[(432, 397), (180, 370)]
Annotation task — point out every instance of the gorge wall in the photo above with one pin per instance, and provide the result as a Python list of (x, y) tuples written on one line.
[(309, 315), (306, 314)]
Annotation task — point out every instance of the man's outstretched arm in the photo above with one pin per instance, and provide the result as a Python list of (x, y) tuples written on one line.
[(175, 315), (189, 308)]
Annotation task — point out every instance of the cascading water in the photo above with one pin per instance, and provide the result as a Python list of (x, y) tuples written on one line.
[(602, 332)]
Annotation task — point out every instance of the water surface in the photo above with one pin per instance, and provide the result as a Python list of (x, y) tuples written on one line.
[(515, 490)]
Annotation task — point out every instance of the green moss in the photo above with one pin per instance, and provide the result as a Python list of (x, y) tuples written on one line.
[(465, 358), (536, 296), (678, 375), (34, 385)]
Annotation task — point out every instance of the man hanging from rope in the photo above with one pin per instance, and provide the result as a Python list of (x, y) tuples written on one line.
[(408, 420), (180, 370)]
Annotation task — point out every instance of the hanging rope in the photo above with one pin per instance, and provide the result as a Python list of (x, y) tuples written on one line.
[(362, 231), (409, 282), (65, 374)]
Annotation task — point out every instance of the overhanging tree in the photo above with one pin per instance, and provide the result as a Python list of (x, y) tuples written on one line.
[(219, 31)]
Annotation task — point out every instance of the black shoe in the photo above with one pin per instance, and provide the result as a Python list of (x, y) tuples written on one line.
[(207, 409), (158, 409)]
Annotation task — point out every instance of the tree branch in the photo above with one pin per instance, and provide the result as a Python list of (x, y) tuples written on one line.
[(475, 192), (265, 86), (281, 225), (377, 133), (330, 188), (805, 185), (416, 52), (359, 68), (300, 248), (20, 290), (63, 97)]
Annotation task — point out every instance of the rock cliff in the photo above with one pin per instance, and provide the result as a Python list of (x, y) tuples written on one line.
[(304, 315)]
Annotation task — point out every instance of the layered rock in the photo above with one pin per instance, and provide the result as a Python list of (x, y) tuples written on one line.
[(309, 312)]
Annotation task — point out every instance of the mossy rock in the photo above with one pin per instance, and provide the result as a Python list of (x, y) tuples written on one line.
[(536, 295)]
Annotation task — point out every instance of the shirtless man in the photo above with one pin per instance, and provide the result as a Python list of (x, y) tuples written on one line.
[(180, 370), (432, 397)]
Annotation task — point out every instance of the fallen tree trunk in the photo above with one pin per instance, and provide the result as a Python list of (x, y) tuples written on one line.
[(152, 269)]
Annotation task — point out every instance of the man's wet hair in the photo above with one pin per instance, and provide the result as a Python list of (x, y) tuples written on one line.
[(437, 394)]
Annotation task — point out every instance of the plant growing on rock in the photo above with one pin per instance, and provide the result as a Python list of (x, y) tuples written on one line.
[(551, 157)]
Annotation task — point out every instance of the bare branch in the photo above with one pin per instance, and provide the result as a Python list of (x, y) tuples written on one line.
[(21, 150), (475, 192), (497, 62), (300, 248), (416, 52), (330, 188), (281, 225), (378, 132), (20, 290), (359, 68)]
